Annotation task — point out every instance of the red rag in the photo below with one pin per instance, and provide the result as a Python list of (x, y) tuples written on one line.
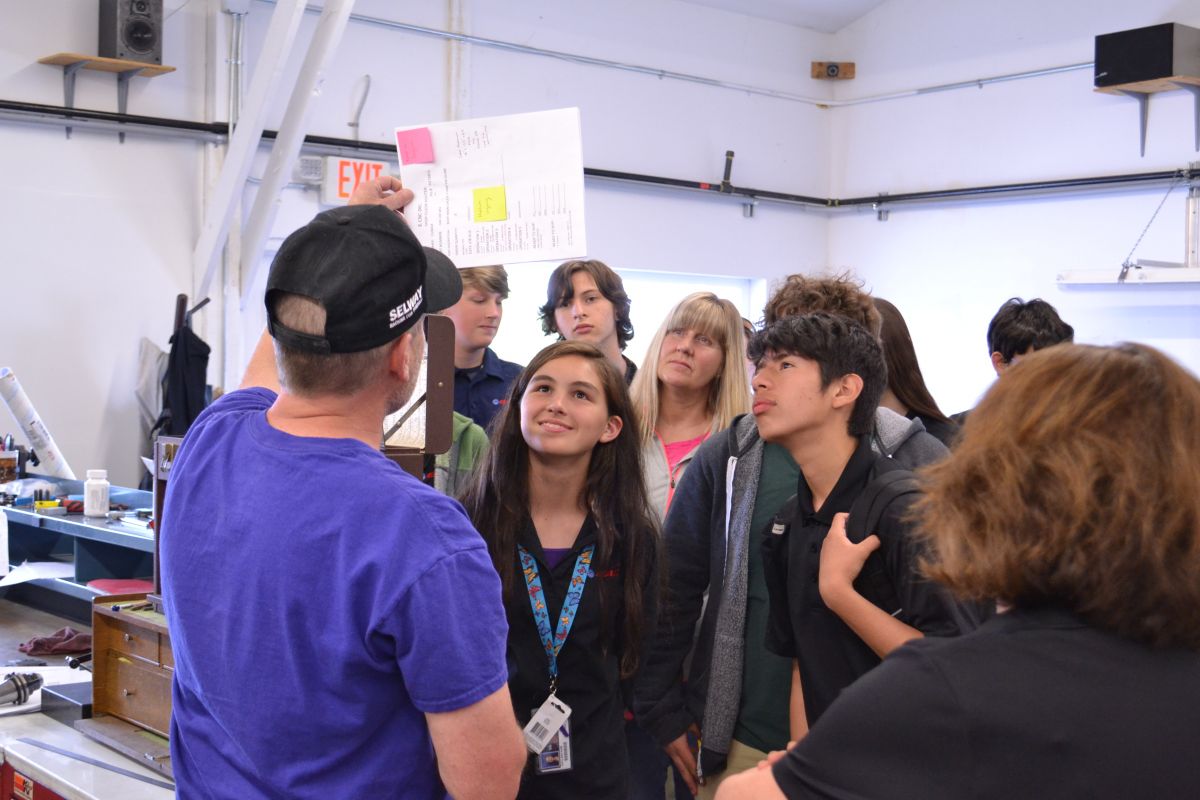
[(61, 642)]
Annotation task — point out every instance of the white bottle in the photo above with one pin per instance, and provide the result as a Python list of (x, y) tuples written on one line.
[(95, 493)]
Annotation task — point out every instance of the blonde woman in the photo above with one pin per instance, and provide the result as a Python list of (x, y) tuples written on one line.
[(692, 384)]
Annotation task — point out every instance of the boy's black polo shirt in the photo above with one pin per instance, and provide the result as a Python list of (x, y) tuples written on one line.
[(830, 655)]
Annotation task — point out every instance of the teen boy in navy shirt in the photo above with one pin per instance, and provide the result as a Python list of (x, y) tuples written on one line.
[(817, 382), (481, 378)]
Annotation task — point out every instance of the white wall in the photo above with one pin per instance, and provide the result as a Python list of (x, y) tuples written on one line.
[(99, 235), (948, 268)]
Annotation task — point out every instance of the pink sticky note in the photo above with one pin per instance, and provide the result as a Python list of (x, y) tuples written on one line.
[(415, 146)]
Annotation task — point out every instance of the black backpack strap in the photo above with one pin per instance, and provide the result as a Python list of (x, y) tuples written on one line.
[(889, 483), (779, 638), (784, 516), (869, 507)]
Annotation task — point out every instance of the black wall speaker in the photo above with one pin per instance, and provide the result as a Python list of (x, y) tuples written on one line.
[(1147, 54), (131, 29)]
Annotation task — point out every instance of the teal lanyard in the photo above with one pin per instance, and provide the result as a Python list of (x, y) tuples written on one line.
[(537, 600)]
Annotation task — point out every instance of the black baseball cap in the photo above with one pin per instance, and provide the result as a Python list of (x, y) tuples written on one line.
[(366, 268)]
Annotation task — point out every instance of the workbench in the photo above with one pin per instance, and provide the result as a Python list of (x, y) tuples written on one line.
[(68, 777)]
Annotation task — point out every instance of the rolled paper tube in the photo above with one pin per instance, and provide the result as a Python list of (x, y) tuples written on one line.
[(52, 461)]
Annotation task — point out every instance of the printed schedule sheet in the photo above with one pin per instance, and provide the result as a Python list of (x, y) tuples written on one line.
[(497, 190)]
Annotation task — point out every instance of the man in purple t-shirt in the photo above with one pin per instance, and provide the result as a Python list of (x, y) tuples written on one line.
[(337, 626)]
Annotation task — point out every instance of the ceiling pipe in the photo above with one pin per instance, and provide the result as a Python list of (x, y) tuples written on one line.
[(978, 83), (1068, 185), (512, 47), (37, 113)]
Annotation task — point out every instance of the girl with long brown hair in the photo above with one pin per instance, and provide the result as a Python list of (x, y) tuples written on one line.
[(906, 392), (561, 504)]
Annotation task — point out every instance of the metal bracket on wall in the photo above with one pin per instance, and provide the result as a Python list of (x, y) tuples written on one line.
[(69, 72), (1143, 99), (125, 69), (881, 213), (123, 94), (1195, 90)]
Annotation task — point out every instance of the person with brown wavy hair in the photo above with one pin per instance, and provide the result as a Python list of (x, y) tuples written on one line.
[(1073, 498), (1105, 469), (836, 294)]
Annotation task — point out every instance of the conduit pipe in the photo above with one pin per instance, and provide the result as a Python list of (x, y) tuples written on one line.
[(326, 145), (575, 58), (232, 336)]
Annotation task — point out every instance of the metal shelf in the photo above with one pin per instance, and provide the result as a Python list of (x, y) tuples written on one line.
[(94, 547), (112, 532), (67, 587)]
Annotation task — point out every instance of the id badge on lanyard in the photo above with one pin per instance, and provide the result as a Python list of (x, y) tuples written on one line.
[(548, 734)]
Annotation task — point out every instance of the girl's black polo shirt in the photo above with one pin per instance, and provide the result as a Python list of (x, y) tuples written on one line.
[(588, 672)]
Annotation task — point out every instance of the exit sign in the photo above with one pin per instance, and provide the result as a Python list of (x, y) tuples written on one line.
[(343, 174)]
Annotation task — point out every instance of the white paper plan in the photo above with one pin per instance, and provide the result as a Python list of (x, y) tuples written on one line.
[(497, 190)]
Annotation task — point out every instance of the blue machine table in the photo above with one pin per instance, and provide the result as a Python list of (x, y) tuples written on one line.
[(94, 547)]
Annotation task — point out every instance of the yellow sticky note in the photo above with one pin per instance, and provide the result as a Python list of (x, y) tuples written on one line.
[(490, 205)]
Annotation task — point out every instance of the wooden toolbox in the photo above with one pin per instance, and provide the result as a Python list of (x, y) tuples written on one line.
[(132, 662), (132, 668)]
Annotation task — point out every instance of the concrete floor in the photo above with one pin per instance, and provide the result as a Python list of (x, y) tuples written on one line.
[(20, 623)]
